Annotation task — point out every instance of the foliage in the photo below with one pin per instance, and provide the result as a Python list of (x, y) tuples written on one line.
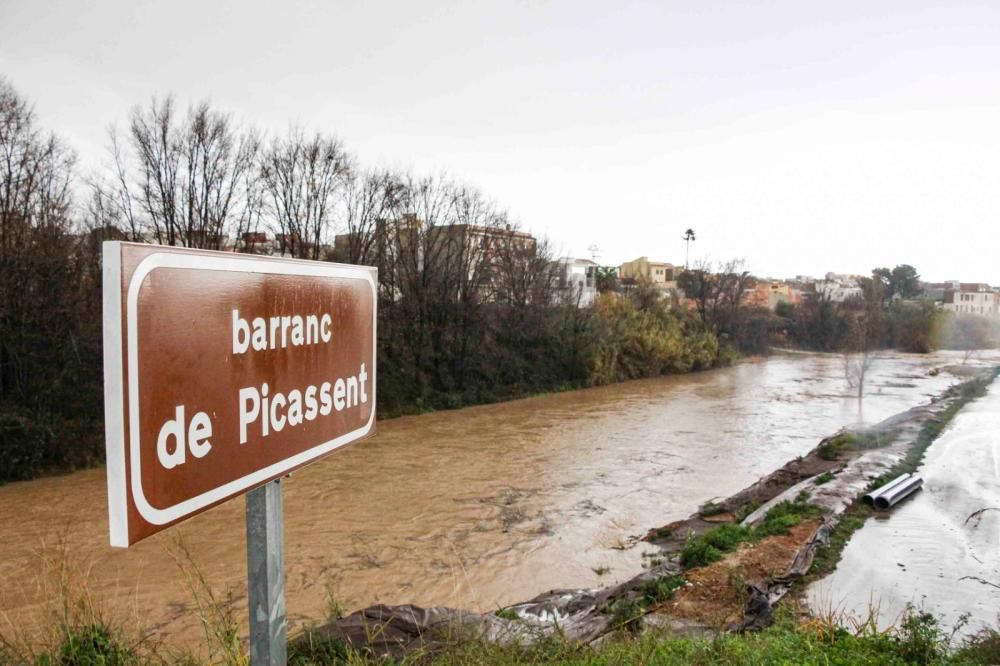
[(711, 546), (312, 647), (784, 516), (50, 377), (626, 614), (902, 281), (981, 648), (914, 327), (92, 645), (916, 640), (470, 307), (662, 589), (884, 316), (828, 554), (633, 338), (825, 477)]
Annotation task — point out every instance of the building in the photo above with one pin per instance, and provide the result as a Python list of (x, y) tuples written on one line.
[(578, 281), (404, 248), (660, 274), (768, 293), (973, 298), (934, 291), (838, 290)]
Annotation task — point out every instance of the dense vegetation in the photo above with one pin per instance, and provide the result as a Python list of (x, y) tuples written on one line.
[(470, 310), (876, 321)]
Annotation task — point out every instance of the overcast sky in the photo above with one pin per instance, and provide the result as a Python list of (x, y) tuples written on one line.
[(803, 136)]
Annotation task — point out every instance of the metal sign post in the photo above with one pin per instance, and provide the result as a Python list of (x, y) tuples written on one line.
[(210, 358), (266, 575)]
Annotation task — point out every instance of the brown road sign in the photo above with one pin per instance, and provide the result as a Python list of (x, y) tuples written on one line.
[(224, 371)]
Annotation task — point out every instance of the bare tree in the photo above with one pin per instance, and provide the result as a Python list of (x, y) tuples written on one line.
[(303, 178), (717, 294), (41, 301), (859, 356), (186, 181), (369, 202), (865, 335)]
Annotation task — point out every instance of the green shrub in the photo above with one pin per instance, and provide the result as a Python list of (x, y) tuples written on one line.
[(830, 449), (825, 477), (697, 553), (981, 648), (661, 589), (314, 648), (727, 537), (710, 546), (786, 515), (627, 614), (91, 645)]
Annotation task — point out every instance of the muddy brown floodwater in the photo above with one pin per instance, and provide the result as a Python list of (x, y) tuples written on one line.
[(478, 507)]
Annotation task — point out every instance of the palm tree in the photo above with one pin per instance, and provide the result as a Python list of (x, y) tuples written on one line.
[(688, 237), (607, 279)]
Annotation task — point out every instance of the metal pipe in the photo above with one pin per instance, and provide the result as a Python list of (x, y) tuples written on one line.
[(897, 493), (869, 499)]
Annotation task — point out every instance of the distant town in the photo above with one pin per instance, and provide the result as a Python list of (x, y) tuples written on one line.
[(582, 279), (765, 292)]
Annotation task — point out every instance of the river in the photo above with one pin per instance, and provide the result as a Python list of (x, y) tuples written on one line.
[(477, 508)]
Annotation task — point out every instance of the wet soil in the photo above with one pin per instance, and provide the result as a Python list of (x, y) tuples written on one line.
[(716, 595)]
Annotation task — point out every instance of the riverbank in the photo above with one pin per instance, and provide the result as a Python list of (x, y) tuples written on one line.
[(724, 568), (672, 612), (476, 508)]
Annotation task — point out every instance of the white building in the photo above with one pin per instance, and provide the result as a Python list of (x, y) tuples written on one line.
[(973, 298), (579, 280), (838, 291)]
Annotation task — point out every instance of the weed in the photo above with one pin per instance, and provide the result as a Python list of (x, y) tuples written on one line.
[(601, 570), (217, 614), (713, 544), (827, 555), (830, 448), (662, 533), (786, 515), (697, 553), (626, 614), (661, 589), (507, 614), (981, 648), (710, 508), (825, 477), (96, 645), (738, 585), (921, 640), (746, 510), (314, 648), (710, 546), (334, 608), (727, 537)]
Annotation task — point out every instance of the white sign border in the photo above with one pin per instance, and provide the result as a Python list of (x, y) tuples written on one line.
[(118, 509)]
